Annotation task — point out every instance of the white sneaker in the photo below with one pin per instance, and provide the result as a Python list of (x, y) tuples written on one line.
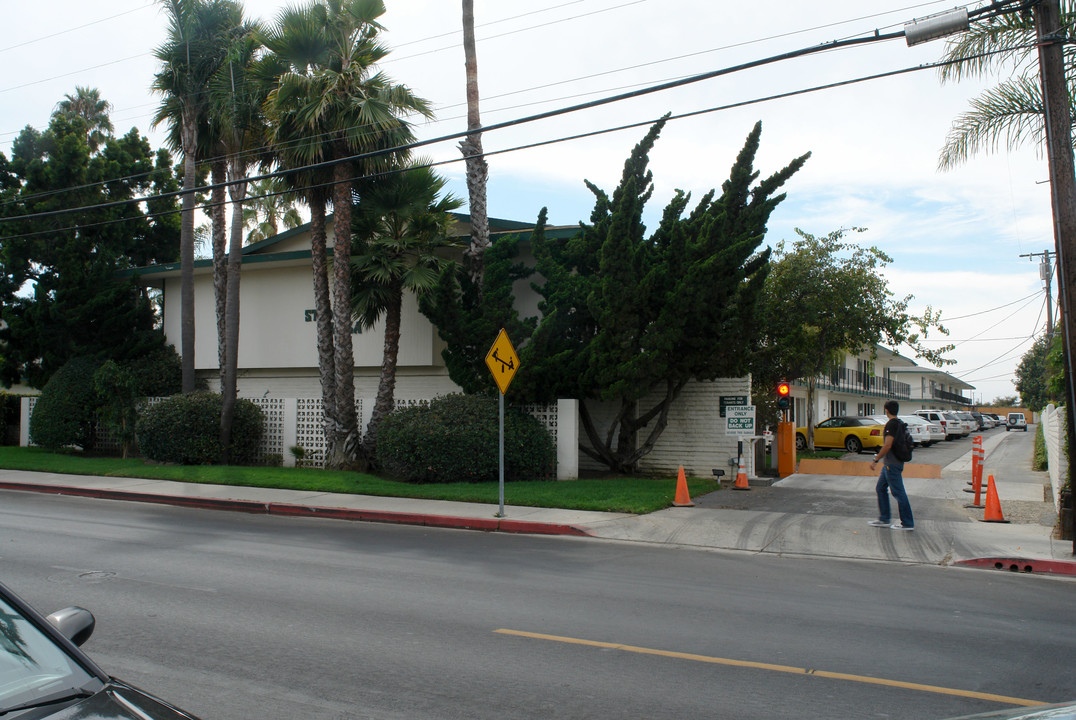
[(900, 526), (879, 523)]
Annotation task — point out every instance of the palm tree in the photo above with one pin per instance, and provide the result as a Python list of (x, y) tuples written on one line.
[(236, 95), (195, 48), (294, 145), (471, 147), (1012, 111), (399, 226), (86, 104), (331, 91), (269, 206)]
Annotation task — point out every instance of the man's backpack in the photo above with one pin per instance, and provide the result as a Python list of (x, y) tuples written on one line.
[(902, 443)]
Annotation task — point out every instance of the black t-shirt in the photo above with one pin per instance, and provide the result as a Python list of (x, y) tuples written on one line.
[(892, 429)]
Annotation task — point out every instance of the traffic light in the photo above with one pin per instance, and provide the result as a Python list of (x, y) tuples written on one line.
[(784, 395)]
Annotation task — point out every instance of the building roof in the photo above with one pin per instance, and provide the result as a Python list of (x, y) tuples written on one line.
[(262, 251), (941, 375)]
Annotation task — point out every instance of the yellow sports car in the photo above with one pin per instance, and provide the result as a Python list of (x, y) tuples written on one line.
[(853, 434)]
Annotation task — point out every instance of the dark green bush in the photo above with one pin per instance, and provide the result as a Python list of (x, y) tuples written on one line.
[(64, 414), (10, 407), (159, 373), (185, 429), (454, 439)]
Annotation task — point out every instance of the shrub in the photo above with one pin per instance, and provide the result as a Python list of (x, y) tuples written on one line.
[(10, 406), (116, 398), (454, 439), (159, 373), (185, 429), (64, 414)]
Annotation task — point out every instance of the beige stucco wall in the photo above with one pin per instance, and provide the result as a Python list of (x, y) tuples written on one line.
[(277, 330)]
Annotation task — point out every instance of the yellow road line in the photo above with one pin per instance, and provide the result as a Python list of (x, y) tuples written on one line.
[(776, 668)]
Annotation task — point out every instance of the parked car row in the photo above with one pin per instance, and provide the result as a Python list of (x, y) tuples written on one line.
[(856, 434)]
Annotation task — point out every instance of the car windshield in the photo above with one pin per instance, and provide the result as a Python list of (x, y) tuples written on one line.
[(32, 666)]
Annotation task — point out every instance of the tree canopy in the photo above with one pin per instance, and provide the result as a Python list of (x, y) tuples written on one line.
[(58, 284), (1039, 376), (826, 296)]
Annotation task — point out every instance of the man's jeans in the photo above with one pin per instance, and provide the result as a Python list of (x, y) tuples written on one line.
[(891, 481)]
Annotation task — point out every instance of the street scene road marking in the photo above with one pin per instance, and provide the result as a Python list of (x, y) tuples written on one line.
[(776, 668)]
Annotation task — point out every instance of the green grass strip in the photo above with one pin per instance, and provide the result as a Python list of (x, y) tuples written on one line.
[(628, 494)]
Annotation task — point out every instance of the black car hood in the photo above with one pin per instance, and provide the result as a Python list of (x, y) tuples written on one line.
[(118, 701)]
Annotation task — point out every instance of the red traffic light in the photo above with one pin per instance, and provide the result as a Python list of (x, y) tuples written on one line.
[(784, 393)]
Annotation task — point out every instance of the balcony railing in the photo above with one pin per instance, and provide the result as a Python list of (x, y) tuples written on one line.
[(950, 397), (860, 383)]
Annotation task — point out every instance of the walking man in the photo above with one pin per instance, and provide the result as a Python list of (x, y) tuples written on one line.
[(890, 479)]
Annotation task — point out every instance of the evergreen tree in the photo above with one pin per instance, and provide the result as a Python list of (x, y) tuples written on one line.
[(630, 319), (59, 289)]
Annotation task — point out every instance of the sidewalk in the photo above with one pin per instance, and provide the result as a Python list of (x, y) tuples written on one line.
[(801, 515)]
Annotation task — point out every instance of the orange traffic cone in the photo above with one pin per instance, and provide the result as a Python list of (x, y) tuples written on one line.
[(993, 505), (741, 478), (682, 499)]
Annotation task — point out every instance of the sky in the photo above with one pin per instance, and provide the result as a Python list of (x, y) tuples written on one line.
[(956, 237)]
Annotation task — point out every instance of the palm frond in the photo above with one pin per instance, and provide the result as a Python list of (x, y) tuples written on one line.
[(1010, 112)]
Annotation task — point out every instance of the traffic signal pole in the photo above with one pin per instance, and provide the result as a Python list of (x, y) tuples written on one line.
[(786, 432)]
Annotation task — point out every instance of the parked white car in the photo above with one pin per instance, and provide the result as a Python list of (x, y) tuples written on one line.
[(933, 431), (918, 428), (952, 426)]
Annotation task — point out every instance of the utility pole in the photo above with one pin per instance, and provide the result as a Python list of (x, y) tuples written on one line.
[(1050, 36), (1046, 273)]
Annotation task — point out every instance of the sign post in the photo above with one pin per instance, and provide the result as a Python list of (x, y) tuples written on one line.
[(503, 362), (740, 421)]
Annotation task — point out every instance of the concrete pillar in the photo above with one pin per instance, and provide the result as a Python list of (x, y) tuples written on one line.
[(567, 439)]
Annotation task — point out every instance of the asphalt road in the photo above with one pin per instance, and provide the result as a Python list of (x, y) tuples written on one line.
[(236, 616)]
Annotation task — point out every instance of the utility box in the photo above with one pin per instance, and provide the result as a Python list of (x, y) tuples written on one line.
[(786, 448)]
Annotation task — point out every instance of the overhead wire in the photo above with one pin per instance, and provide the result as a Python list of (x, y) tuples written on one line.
[(1010, 351), (390, 59), (255, 151), (824, 47), (58, 33), (984, 312), (416, 144), (661, 87)]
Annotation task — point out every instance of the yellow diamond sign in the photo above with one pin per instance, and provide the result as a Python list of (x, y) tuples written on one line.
[(502, 361)]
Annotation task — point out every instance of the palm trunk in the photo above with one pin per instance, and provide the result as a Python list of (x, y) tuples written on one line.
[(231, 368), (324, 319), (346, 451), (189, 141), (220, 268), (471, 147), (386, 389)]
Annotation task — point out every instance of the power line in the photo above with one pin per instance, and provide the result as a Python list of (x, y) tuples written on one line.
[(824, 47), (999, 307), (1007, 317), (73, 29), (390, 60), (411, 146)]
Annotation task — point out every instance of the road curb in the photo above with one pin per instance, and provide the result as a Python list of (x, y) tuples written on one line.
[(491, 524), (1024, 565)]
